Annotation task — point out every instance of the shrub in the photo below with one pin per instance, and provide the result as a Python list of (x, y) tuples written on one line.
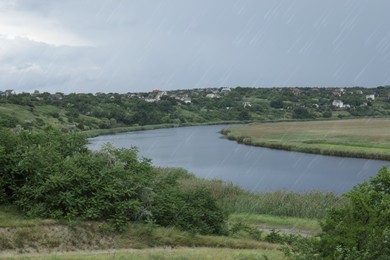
[(108, 185), (363, 227), (53, 175), (360, 230), (193, 210)]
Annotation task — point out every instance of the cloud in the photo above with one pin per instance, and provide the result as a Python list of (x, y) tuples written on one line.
[(17, 24), (102, 45)]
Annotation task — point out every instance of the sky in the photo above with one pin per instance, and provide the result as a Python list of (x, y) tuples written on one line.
[(140, 45)]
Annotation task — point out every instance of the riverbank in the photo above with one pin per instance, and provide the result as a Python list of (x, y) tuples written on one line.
[(98, 132), (357, 138)]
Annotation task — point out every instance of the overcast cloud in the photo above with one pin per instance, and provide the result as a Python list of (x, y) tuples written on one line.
[(131, 46)]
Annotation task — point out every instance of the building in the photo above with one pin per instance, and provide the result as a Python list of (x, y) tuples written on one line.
[(338, 104), (9, 92), (370, 97), (296, 91)]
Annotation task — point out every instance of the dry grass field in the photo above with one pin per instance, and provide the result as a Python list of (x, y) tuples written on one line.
[(363, 138)]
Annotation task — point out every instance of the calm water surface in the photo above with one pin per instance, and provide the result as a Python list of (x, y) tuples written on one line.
[(205, 152)]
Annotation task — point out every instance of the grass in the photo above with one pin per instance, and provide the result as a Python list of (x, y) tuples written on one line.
[(252, 216), (165, 253), (362, 138), (234, 199), (277, 222), (10, 217), (27, 235), (98, 236), (25, 114)]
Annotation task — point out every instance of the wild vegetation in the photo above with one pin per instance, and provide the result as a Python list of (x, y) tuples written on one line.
[(54, 175), (358, 230), (364, 138), (81, 111), (58, 195)]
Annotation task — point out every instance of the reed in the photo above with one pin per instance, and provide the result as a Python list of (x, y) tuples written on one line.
[(358, 138), (234, 199)]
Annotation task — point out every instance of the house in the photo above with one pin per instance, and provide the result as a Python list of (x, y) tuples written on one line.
[(2, 93), (58, 95), (338, 104), (186, 100), (341, 90), (247, 104), (9, 92), (359, 92), (296, 91), (225, 90), (370, 97), (212, 95), (336, 94)]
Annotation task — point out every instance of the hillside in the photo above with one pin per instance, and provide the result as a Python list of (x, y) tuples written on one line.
[(83, 111)]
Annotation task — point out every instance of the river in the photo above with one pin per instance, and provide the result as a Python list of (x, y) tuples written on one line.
[(205, 152)]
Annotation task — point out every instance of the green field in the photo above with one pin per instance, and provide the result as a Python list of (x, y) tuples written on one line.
[(162, 253), (361, 138)]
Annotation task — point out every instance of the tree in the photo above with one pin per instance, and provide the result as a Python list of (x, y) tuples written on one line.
[(360, 230), (301, 113), (53, 175), (327, 113), (192, 210), (277, 103)]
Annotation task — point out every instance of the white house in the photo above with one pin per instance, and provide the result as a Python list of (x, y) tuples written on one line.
[(372, 97), (338, 103), (212, 95), (187, 100), (226, 90), (247, 104), (9, 92)]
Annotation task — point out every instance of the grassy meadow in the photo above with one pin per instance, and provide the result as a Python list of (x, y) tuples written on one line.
[(163, 253), (360, 138)]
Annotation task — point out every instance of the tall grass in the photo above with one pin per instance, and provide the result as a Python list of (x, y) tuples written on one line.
[(357, 138), (233, 199)]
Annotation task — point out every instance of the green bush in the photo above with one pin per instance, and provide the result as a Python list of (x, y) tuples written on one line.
[(194, 210), (53, 175), (363, 227), (360, 230), (108, 185)]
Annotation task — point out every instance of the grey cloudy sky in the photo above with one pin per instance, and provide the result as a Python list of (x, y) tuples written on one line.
[(128, 46)]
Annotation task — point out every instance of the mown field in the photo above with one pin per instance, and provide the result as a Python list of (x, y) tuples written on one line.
[(361, 138)]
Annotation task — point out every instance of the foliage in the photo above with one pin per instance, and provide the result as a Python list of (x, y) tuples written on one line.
[(360, 230), (363, 227), (194, 210), (111, 110), (53, 175), (302, 113)]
